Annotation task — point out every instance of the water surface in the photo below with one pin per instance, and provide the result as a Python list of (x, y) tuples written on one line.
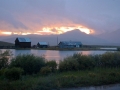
[(53, 54)]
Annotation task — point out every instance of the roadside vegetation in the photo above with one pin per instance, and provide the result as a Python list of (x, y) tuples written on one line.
[(29, 72)]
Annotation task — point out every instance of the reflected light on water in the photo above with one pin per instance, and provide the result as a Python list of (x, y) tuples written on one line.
[(52, 54), (86, 52)]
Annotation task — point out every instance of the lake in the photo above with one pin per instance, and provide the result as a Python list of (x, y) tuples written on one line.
[(53, 54)]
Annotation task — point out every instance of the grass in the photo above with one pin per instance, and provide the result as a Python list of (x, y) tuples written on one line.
[(96, 76), (74, 71)]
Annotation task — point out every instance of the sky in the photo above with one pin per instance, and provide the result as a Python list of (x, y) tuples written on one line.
[(46, 17)]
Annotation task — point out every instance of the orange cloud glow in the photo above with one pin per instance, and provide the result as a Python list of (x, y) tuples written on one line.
[(51, 30), (60, 30), (6, 33)]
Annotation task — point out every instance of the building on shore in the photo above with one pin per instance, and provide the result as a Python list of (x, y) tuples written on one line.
[(22, 42), (70, 44), (42, 44)]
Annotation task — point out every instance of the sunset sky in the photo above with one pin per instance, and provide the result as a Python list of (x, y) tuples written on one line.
[(46, 17)]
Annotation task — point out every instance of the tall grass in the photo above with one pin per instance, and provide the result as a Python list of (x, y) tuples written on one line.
[(82, 62), (77, 62), (110, 59), (4, 58), (13, 73), (30, 63)]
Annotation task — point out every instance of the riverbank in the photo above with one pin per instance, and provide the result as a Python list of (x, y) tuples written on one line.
[(29, 72), (94, 77), (70, 49), (83, 48)]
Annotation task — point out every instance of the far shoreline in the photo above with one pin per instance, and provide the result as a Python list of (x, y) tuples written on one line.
[(71, 49)]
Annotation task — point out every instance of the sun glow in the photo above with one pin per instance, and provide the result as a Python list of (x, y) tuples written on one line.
[(26, 33), (60, 30), (7, 33), (14, 33), (52, 30)]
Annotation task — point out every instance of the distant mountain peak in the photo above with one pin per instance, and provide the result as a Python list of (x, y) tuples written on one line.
[(74, 35), (75, 32), (112, 37)]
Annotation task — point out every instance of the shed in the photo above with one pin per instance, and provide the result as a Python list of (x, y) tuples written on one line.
[(23, 42), (42, 44), (70, 44)]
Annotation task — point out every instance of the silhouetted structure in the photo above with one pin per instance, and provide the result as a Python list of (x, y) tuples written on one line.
[(70, 44), (34, 46), (23, 43), (42, 44)]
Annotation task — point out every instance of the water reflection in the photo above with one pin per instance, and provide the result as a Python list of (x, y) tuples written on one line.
[(52, 54)]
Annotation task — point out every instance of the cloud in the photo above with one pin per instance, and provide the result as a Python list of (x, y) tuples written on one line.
[(31, 15), (34, 15), (96, 14), (8, 21)]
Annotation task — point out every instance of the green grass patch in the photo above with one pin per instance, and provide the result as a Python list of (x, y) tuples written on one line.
[(96, 76)]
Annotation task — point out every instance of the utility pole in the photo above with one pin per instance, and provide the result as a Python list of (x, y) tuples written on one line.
[(57, 40)]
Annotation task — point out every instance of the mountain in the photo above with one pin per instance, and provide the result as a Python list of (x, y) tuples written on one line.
[(52, 39), (74, 35), (112, 37), (2, 43), (84, 38)]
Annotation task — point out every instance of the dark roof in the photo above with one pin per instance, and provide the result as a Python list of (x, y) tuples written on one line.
[(24, 40), (43, 43), (71, 42)]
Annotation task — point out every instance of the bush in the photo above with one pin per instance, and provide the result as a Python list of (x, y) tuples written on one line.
[(110, 59), (52, 64), (2, 72), (77, 62), (85, 62), (3, 62), (45, 70), (4, 58), (13, 73), (29, 63), (69, 64)]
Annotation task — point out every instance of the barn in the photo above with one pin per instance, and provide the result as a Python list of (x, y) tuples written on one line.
[(70, 44), (23, 42), (42, 44)]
